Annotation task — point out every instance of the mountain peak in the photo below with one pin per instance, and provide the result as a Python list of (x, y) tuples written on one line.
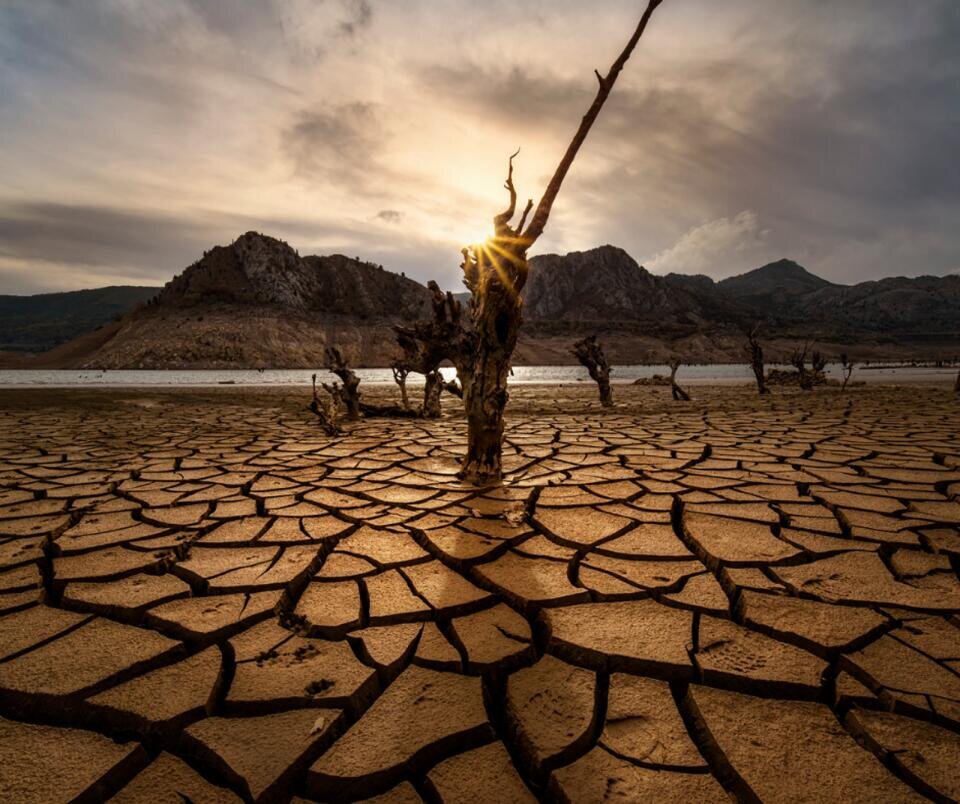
[(788, 268), (776, 279)]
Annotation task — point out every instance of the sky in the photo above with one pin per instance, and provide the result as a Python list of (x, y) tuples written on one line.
[(136, 134)]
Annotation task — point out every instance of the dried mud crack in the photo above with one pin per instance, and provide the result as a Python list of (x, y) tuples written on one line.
[(203, 597)]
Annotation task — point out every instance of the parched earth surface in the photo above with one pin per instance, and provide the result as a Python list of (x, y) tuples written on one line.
[(202, 598)]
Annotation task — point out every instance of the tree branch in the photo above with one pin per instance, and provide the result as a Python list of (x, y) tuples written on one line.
[(523, 217), (502, 220), (539, 221)]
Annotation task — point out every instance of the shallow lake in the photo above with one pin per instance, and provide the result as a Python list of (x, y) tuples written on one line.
[(692, 375)]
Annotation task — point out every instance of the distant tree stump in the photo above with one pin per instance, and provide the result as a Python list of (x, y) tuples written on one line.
[(590, 354), (426, 344), (755, 351), (798, 359), (679, 395), (818, 362), (846, 366), (324, 411), (400, 373), (348, 394), (432, 387)]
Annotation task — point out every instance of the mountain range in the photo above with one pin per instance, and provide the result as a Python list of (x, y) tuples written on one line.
[(37, 323), (258, 303)]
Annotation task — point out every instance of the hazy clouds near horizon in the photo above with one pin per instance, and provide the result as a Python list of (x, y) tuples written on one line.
[(134, 134)]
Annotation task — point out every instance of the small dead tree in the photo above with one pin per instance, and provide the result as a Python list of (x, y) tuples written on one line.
[(818, 365), (807, 379), (400, 372), (798, 359), (426, 344), (846, 366), (679, 395), (590, 354), (325, 411), (756, 359), (348, 394)]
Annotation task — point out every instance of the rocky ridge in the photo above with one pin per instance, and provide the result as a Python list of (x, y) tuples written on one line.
[(258, 303)]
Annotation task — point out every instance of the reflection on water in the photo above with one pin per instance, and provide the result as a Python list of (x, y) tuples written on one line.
[(692, 375)]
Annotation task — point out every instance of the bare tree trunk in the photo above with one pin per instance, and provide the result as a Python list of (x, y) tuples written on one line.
[(324, 411), (349, 392), (496, 272), (400, 373), (679, 395), (799, 361), (847, 369), (485, 393), (818, 365), (590, 354), (756, 360), (432, 386)]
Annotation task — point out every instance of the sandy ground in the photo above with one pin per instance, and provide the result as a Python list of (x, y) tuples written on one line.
[(203, 596)]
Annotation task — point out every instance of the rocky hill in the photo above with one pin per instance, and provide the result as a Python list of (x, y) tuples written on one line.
[(262, 271), (601, 285), (258, 303)]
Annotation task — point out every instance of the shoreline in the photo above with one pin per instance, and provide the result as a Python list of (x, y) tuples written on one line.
[(695, 375)]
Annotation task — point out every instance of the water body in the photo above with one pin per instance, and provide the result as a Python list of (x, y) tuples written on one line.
[(532, 375)]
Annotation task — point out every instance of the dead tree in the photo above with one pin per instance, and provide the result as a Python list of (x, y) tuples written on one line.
[(846, 366), (426, 344), (956, 384), (348, 394), (590, 354), (324, 411), (799, 361), (495, 272), (432, 387), (818, 364), (679, 395), (400, 372), (756, 359)]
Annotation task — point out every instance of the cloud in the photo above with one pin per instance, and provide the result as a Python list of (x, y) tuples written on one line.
[(389, 216), (715, 248), (309, 26), (335, 141), (135, 134), (80, 235), (143, 246)]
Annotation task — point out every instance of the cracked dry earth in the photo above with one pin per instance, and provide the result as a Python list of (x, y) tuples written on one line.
[(204, 599)]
